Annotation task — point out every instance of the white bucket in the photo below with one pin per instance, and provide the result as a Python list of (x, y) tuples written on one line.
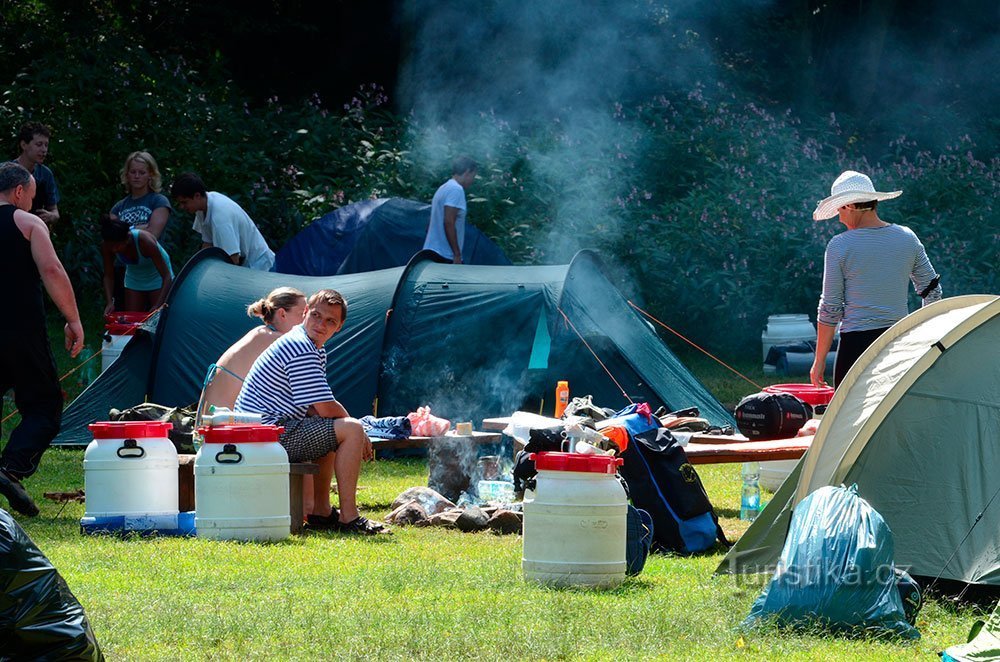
[(130, 468), (241, 484), (574, 529), (786, 329), (774, 473), (111, 349)]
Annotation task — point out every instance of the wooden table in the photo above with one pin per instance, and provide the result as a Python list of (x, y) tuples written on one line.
[(716, 448), (478, 438)]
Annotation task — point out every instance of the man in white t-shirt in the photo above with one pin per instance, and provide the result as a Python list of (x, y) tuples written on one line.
[(222, 223), (446, 232)]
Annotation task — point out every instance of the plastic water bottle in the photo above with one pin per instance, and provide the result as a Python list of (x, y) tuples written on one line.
[(226, 416), (750, 501)]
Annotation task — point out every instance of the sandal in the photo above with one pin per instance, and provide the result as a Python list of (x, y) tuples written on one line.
[(364, 527), (329, 522)]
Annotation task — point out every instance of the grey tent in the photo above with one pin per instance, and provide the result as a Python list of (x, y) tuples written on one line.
[(472, 341), (916, 425)]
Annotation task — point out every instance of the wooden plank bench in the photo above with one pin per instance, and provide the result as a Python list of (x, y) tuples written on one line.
[(716, 449), (296, 470), (478, 438)]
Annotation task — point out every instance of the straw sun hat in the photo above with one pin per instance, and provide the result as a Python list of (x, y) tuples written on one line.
[(849, 188)]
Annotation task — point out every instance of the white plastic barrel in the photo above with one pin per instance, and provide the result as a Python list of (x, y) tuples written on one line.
[(241, 484), (786, 329), (130, 468), (574, 529), (119, 328)]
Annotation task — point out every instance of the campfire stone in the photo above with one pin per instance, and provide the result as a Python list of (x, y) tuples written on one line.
[(431, 501), (505, 521), (447, 518), (472, 519), (410, 512)]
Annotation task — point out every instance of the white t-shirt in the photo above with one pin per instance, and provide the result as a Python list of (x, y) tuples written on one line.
[(228, 227), (449, 194)]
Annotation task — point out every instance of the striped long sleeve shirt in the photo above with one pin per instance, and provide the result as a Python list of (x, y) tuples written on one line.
[(285, 379), (866, 277)]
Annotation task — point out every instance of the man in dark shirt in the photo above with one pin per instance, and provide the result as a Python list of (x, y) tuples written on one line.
[(26, 364), (33, 139)]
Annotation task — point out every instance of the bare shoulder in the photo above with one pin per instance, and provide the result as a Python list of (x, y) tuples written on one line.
[(29, 225), (245, 351)]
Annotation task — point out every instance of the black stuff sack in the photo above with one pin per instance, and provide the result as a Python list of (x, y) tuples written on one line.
[(764, 416), (664, 483)]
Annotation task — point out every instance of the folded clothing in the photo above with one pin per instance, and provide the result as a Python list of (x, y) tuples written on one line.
[(387, 427)]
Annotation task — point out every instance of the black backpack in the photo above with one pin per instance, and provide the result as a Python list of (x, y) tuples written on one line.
[(764, 416), (662, 482)]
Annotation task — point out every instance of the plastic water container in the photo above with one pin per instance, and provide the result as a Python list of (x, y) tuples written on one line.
[(130, 468), (241, 484), (574, 529), (118, 330), (786, 329), (750, 495), (226, 416)]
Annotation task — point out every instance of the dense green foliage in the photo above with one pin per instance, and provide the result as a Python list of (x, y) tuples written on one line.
[(699, 196)]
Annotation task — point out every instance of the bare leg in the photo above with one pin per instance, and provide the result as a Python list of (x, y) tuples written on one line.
[(351, 445), (321, 485), (308, 498)]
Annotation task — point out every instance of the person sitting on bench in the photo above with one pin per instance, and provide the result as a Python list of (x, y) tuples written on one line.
[(287, 385), (280, 311)]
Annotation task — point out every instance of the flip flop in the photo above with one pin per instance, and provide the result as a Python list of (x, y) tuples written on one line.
[(364, 527), (329, 522)]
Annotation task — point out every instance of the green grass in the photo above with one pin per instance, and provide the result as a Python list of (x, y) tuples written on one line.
[(422, 593)]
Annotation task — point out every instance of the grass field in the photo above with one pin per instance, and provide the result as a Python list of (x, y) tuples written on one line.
[(422, 593)]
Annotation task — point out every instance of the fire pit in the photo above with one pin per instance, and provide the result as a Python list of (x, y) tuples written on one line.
[(452, 461)]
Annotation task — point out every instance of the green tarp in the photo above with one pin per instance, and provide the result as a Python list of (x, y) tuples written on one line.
[(460, 338)]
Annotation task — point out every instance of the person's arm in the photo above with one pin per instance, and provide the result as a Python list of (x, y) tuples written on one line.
[(450, 218), (49, 214), (824, 339), (225, 234), (831, 311), (54, 277), (332, 409), (150, 248), (158, 221), (108, 257), (235, 259), (924, 278)]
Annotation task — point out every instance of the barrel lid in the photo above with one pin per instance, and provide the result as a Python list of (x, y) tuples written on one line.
[(598, 464), (812, 395), (240, 434), (130, 429)]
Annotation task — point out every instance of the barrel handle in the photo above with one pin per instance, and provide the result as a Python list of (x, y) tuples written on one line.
[(131, 448), (226, 455)]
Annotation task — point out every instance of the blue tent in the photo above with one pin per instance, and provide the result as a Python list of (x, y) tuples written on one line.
[(372, 235), (471, 341)]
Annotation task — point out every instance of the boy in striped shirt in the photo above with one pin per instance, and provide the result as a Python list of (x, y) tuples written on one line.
[(287, 385)]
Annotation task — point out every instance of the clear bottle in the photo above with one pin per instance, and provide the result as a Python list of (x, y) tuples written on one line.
[(88, 371), (750, 499)]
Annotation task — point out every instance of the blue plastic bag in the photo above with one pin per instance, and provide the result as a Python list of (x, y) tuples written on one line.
[(836, 569)]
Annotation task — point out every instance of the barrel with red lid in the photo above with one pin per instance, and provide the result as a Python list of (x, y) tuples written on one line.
[(130, 468), (119, 327), (241, 483), (574, 528)]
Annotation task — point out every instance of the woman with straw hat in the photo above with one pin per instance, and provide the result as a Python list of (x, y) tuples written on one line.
[(865, 273)]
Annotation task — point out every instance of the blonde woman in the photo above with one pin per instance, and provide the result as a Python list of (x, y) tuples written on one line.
[(144, 208), (280, 310)]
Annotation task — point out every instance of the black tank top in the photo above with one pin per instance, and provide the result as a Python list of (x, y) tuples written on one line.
[(22, 285)]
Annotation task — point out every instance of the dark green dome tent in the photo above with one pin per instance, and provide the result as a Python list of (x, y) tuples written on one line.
[(471, 341)]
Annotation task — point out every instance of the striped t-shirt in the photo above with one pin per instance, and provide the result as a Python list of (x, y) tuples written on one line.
[(285, 379), (867, 274)]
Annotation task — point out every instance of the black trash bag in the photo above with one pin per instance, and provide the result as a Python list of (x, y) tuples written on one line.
[(40, 619), (182, 419)]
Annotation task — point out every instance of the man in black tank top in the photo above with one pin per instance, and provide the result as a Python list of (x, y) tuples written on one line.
[(27, 262)]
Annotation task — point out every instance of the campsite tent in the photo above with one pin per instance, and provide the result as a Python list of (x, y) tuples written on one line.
[(372, 235), (916, 425), (471, 341)]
